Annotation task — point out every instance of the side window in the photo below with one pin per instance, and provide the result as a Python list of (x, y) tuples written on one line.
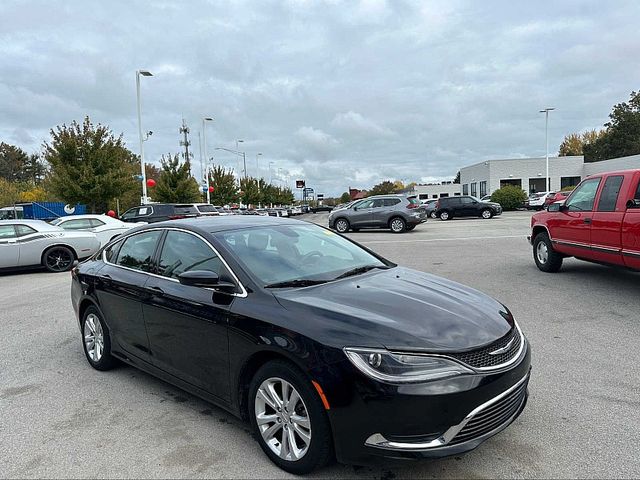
[(7, 231), (129, 213), (378, 202), (637, 196), (584, 196), (137, 251), (183, 252), (466, 200), (111, 252), (23, 230), (609, 194), (365, 204), (389, 202), (79, 224), (95, 222)]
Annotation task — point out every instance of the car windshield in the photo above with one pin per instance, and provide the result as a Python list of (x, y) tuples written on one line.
[(297, 255)]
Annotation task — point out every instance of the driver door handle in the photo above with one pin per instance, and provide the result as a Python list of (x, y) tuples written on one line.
[(587, 220)]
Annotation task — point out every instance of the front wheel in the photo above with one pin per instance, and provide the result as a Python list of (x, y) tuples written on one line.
[(444, 215), (486, 214), (342, 225), (546, 258), (289, 419)]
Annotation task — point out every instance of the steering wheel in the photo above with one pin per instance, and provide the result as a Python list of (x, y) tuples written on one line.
[(312, 254)]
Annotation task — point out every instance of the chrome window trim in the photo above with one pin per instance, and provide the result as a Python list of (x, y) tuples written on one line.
[(242, 294), (378, 440)]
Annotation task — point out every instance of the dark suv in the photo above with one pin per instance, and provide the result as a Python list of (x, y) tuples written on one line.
[(465, 206), (396, 212), (159, 212)]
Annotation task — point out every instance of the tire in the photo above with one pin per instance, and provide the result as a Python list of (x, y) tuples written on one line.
[(546, 258), (58, 259), (486, 213), (410, 227), (317, 449), (433, 215), (398, 225), (93, 326), (342, 225), (444, 215)]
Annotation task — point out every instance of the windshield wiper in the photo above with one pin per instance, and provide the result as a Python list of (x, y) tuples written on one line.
[(359, 270), (295, 283)]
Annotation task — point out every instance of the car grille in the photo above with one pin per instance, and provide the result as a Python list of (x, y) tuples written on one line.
[(493, 416), (482, 357)]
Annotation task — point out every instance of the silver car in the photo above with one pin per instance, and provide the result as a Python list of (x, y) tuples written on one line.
[(30, 243)]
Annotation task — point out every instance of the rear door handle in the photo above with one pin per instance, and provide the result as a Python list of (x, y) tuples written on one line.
[(587, 220)]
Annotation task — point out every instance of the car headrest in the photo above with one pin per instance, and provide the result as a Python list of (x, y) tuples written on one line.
[(258, 241)]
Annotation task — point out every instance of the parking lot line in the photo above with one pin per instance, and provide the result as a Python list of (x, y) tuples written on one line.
[(440, 239)]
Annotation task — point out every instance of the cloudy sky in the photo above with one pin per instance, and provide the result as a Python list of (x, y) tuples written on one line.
[(339, 93)]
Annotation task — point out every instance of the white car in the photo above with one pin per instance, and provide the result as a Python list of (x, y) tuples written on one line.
[(31, 243), (536, 200), (206, 209), (103, 226)]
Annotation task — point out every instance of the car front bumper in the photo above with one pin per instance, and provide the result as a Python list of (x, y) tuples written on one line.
[(431, 420)]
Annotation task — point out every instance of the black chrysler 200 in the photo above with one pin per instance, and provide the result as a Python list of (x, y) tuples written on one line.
[(323, 345)]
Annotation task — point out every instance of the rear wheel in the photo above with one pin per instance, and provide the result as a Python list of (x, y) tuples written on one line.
[(397, 225), (444, 215), (289, 419), (58, 259), (433, 214), (342, 225), (96, 340), (546, 258)]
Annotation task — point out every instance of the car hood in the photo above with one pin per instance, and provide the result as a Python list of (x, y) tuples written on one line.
[(400, 309)]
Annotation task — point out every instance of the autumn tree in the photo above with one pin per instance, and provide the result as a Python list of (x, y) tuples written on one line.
[(175, 183), (574, 143), (345, 197), (382, 188), (89, 164)]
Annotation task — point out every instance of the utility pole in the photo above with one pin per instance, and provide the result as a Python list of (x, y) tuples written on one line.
[(184, 130)]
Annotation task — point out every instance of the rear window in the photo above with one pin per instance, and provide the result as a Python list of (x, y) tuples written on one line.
[(186, 209), (412, 200), (207, 208), (388, 202), (609, 194)]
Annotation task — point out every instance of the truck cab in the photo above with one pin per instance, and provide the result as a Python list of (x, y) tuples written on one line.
[(599, 222)]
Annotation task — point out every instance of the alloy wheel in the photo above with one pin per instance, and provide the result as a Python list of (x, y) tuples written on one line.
[(283, 419), (397, 225), (444, 216), (542, 252), (486, 214), (342, 226), (93, 337), (59, 260)]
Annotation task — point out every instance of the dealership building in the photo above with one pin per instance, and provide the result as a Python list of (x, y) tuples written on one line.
[(485, 177)]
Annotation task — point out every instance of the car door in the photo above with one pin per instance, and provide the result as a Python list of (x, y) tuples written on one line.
[(120, 287), (187, 325), (360, 215), (468, 207), (606, 221), (9, 247), (379, 212), (571, 229)]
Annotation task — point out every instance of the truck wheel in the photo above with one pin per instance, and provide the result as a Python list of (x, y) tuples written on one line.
[(546, 258)]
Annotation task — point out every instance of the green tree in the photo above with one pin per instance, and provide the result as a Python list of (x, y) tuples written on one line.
[(35, 169), (12, 163), (622, 135), (9, 192), (175, 184), (225, 188), (345, 197), (250, 188), (509, 196), (457, 179), (88, 164), (382, 188), (574, 143)]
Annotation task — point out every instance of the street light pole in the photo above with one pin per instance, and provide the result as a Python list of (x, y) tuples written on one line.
[(257, 167), (546, 136), (206, 156), (270, 179), (144, 73)]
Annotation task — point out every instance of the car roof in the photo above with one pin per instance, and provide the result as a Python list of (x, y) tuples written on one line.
[(232, 222), (37, 224), (87, 215)]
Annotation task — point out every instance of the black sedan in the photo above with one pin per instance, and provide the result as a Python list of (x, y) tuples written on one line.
[(325, 347)]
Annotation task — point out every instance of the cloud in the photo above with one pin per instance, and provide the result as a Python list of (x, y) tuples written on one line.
[(354, 123)]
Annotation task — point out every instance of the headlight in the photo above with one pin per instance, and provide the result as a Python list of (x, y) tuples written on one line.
[(389, 367)]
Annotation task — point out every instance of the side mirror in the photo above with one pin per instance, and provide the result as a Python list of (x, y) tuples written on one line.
[(206, 279), (555, 207), (634, 203)]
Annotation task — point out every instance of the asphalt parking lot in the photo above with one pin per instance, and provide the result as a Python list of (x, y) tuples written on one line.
[(61, 418)]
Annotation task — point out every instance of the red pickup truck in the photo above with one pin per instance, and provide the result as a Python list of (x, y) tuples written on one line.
[(599, 222)]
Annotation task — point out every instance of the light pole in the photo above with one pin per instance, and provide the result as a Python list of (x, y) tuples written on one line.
[(257, 167), (244, 158), (144, 73), (270, 163), (206, 157), (240, 154), (546, 136)]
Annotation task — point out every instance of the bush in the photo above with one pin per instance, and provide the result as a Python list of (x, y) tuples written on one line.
[(509, 196)]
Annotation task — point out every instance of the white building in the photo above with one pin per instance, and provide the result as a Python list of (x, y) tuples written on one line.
[(484, 178), (436, 190)]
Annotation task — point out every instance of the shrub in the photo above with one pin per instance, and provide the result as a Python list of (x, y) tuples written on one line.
[(509, 196)]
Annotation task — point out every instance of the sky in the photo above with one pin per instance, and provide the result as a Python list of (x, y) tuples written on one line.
[(338, 93)]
